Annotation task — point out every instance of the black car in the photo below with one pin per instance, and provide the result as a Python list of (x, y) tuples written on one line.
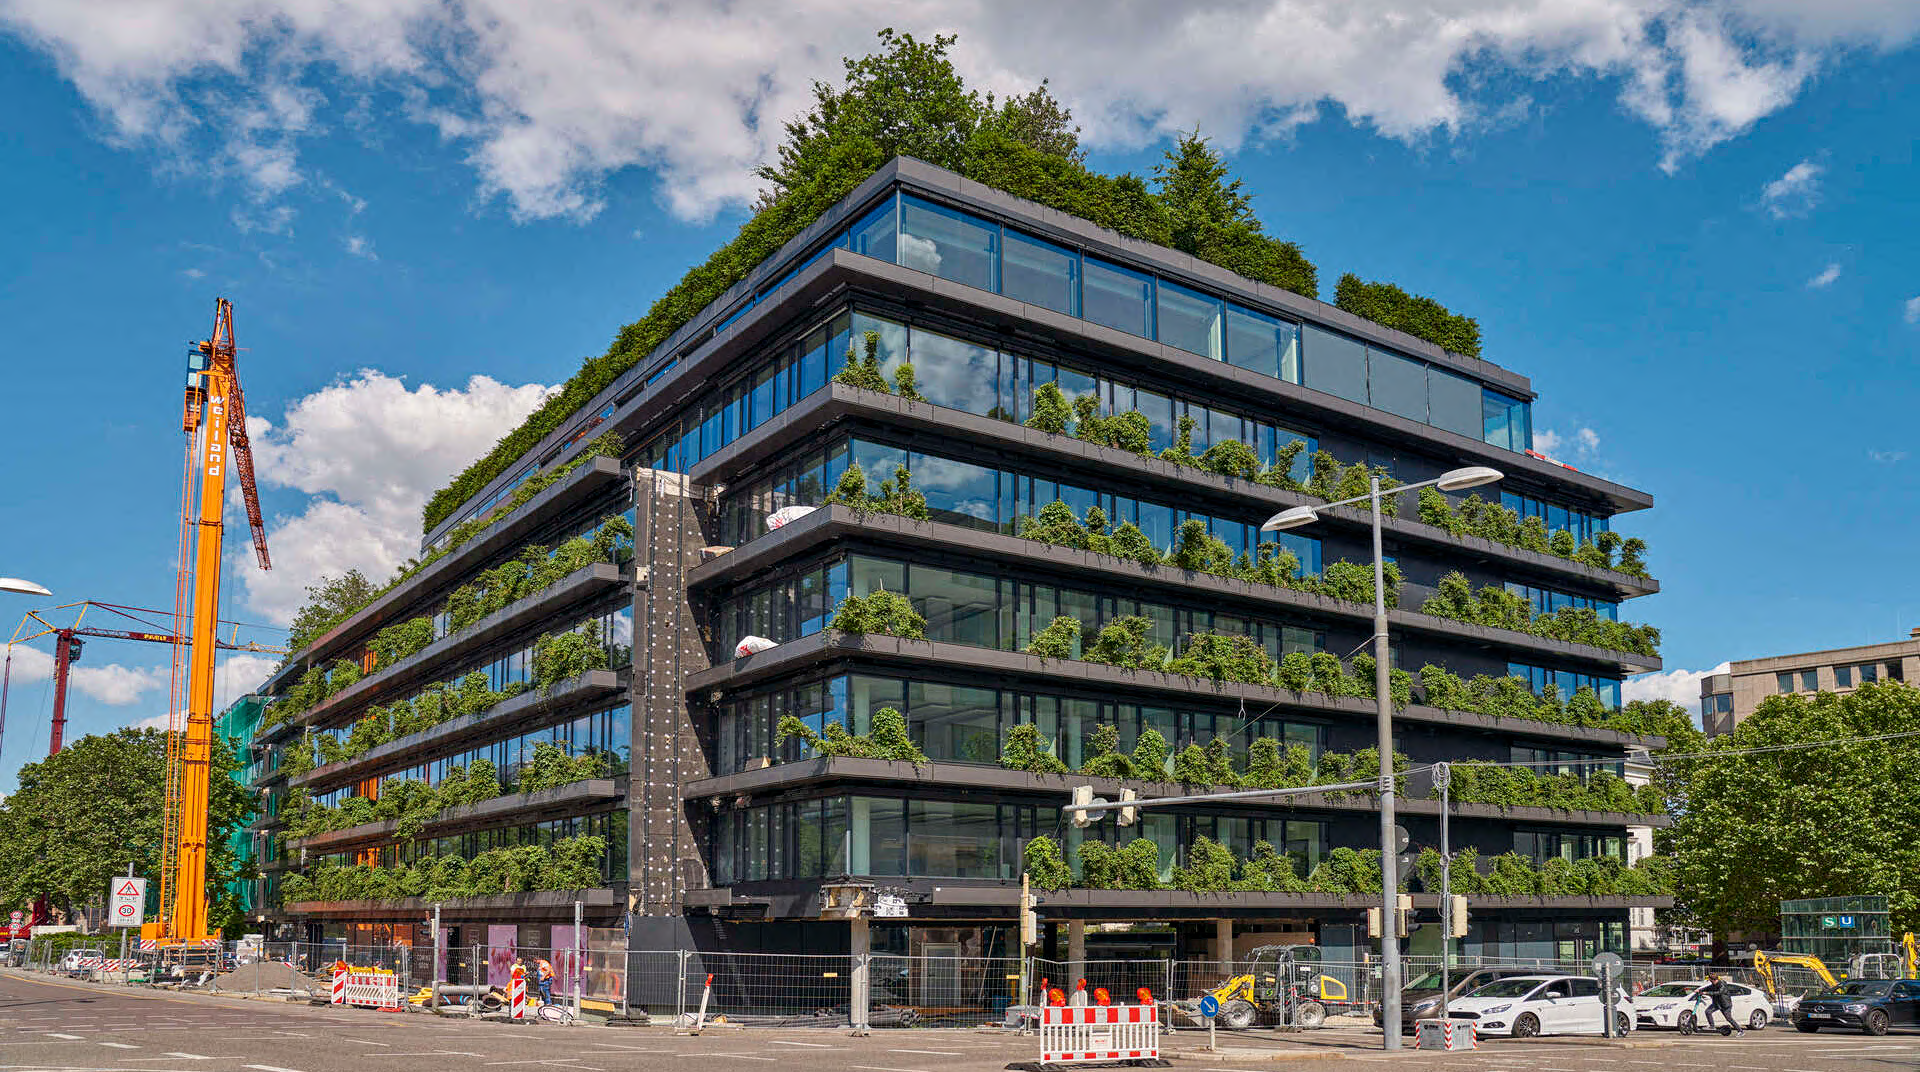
[(1873, 1006), (1420, 999)]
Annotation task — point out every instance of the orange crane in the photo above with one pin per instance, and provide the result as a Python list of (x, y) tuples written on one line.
[(67, 642), (214, 418)]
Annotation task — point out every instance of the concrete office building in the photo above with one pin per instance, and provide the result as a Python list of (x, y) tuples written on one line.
[(717, 834), (1727, 699)]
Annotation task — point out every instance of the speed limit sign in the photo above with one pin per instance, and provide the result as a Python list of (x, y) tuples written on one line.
[(126, 901)]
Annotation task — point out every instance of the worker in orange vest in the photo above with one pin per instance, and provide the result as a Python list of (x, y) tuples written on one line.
[(545, 972)]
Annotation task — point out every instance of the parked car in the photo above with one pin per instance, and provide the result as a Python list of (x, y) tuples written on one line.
[(1420, 999), (71, 964), (1873, 1006), (1671, 1004), (1527, 1005)]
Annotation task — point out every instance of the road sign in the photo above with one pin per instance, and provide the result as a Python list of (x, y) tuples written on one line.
[(1400, 838), (1209, 1006), (126, 901), (1609, 963)]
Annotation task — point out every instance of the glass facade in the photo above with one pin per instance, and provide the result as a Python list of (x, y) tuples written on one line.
[(963, 607), (1544, 845), (955, 723), (1566, 682), (1559, 517), (977, 496), (1549, 601)]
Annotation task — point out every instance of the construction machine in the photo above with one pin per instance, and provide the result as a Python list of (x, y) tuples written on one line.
[(214, 420), (1903, 963), (1283, 985)]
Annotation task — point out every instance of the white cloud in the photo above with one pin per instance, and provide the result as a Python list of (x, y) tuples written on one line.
[(548, 99), (368, 452), (1826, 277), (114, 684), (1887, 457), (1794, 193), (1680, 686), (361, 246), (1911, 310), (1582, 443)]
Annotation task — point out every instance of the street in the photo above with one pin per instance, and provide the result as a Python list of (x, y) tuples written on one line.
[(59, 1026)]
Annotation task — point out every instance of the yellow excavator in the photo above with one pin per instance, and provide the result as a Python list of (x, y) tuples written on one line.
[(1256, 995), (1904, 964)]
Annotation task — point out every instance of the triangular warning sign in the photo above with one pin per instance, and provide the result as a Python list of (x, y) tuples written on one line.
[(128, 890)]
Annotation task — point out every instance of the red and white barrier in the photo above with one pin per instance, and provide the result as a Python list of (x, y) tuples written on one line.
[(367, 988), (517, 993), (1445, 1035), (149, 945), (1081, 1033)]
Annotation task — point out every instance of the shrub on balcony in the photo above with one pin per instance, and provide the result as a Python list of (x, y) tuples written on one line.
[(888, 739), (864, 372), (1424, 318), (1057, 640), (882, 612), (1046, 867), (1025, 750)]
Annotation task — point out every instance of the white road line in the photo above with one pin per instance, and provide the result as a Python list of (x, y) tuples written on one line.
[(815, 1045), (932, 1053), (741, 1056), (191, 1056), (429, 1053), (367, 1042), (883, 1068), (270, 1068), (628, 1049), (69, 1038), (120, 1045)]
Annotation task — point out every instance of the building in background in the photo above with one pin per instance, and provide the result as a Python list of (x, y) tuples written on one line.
[(1727, 699), (712, 828)]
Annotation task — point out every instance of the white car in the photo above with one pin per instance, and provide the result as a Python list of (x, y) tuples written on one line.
[(1669, 1004), (1527, 1005), (80, 960)]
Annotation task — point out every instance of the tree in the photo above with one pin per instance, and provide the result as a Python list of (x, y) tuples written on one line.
[(81, 816), (328, 602), (1750, 830)]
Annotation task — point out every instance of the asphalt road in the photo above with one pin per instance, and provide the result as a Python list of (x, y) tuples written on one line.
[(59, 1026)]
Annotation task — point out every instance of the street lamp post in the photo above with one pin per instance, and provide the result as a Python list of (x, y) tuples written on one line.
[(1453, 480)]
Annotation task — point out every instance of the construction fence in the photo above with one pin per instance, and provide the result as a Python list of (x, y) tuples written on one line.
[(762, 989)]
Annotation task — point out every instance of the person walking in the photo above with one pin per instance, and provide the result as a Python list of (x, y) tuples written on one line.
[(1719, 996)]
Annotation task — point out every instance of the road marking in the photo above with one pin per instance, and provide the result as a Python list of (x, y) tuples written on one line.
[(815, 1045), (931, 1053), (120, 1045), (367, 1042), (69, 1038), (883, 1068), (190, 1056), (629, 1049), (742, 1056), (270, 1068), (429, 1053)]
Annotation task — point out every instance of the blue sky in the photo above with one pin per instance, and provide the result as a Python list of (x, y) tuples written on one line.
[(1698, 242)]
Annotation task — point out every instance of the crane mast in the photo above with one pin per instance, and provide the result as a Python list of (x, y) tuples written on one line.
[(214, 421)]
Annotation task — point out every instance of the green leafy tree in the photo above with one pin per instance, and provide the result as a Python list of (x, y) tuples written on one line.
[(329, 601), (79, 817)]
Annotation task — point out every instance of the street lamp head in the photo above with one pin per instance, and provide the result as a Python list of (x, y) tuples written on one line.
[(1470, 477), (1291, 518), (25, 588)]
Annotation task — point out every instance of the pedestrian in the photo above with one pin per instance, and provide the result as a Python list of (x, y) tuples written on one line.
[(545, 972), (1720, 998)]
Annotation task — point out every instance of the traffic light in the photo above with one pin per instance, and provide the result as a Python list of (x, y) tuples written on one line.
[(1457, 917), (1083, 796), (1029, 920), (1373, 923), (1403, 915), (1128, 815)]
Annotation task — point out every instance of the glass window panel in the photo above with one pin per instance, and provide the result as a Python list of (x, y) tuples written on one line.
[(1843, 677), (1264, 344), (1041, 273), (1334, 363), (1158, 410), (952, 245), (1784, 682), (881, 827), (760, 401), (874, 235), (955, 723), (1118, 297), (960, 608), (1190, 320), (891, 351), (834, 836), (871, 574), (1506, 421), (1810, 680), (957, 493), (951, 840), (954, 373), (1397, 384), (1453, 403)]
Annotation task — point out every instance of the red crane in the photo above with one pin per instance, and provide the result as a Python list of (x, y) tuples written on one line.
[(67, 646)]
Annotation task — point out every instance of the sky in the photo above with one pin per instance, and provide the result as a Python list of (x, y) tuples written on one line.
[(1692, 225)]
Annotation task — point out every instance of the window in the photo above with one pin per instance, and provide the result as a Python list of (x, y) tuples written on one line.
[(1581, 988), (1453, 403), (951, 372), (1810, 680), (1041, 273), (1191, 320), (1264, 344), (875, 235), (1397, 384), (1118, 297), (949, 244), (1785, 682), (1334, 363), (1869, 672), (1506, 421), (1843, 677)]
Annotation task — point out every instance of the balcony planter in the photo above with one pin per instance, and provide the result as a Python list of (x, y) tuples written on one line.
[(560, 800)]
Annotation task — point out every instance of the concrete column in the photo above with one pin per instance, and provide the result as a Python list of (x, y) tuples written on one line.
[(861, 945), (1223, 944), (1076, 954)]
